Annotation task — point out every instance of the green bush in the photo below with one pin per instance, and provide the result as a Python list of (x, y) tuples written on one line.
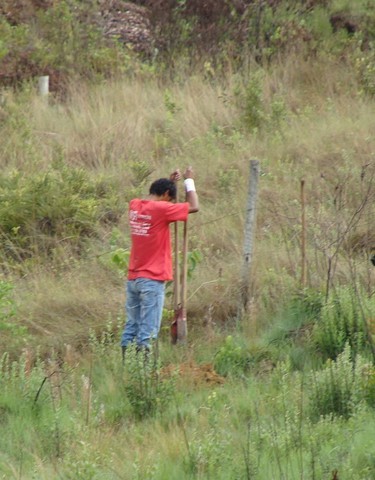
[(251, 102), (13, 39), (42, 208), (303, 308), (232, 358), (32, 409), (290, 334), (342, 321), (7, 308), (7, 315), (340, 387), (365, 67), (145, 388)]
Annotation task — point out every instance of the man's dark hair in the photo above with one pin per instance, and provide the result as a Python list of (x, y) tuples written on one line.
[(163, 185)]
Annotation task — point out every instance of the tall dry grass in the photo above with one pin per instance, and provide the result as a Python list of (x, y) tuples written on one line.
[(322, 132)]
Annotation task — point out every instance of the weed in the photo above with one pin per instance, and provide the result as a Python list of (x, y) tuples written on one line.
[(364, 65), (141, 171), (83, 462), (232, 358), (8, 325), (120, 257), (38, 209), (252, 104), (340, 387), (343, 320), (228, 180), (146, 390), (208, 452)]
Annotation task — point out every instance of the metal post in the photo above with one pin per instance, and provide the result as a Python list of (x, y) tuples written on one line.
[(249, 234)]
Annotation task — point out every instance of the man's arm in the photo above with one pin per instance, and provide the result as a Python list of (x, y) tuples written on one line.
[(191, 194)]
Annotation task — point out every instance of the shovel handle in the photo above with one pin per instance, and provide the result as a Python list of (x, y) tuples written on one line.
[(176, 275), (184, 266), (181, 322)]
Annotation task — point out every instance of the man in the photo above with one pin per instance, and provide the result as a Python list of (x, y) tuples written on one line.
[(150, 264)]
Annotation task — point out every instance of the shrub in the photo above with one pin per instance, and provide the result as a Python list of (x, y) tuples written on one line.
[(7, 314), (147, 392), (6, 304), (208, 450), (343, 320), (365, 67), (231, 358), (252, 103), (340, 387), (42, 208), (303, 308)]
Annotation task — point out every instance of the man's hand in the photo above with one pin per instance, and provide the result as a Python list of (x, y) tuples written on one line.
[(189, 173), (175, 176)]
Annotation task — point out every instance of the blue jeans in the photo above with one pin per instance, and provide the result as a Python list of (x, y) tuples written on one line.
[(144, 309)]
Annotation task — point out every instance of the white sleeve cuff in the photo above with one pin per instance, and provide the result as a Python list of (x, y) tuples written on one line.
[(189, 185)]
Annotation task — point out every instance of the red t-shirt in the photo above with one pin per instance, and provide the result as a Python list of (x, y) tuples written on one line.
[(149, 220)]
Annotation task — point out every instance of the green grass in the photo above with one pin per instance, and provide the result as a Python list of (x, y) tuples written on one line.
[(78, 420)]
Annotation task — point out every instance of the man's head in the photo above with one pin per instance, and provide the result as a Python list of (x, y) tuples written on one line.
[(163, 186)]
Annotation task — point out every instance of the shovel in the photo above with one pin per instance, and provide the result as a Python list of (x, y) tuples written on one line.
[(179, 325)]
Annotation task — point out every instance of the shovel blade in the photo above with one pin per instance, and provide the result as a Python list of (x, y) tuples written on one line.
[(179, 326)]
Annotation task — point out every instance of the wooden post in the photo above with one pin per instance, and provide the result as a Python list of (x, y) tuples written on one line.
[(303, 236), (43, 85), (182, 322), (249, 233)]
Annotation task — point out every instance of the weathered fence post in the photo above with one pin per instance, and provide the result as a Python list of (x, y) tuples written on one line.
[(303, 236), (249, 234), (43, 85)]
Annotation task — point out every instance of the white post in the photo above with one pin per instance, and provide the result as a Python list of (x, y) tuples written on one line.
[(43, 85), (249, 233)]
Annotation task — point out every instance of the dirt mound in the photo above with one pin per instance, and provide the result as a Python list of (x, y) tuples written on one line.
[(191, 372)]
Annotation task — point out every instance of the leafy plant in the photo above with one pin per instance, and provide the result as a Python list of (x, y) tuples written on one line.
[(141, 171), (7, 313), (7, 307), (145, 388), (209, 451), (194, 258), (231, 358), (228, 180), (120, 257), (342, 321), (365, 66), (39, 208), (252, 103), (340, 387)]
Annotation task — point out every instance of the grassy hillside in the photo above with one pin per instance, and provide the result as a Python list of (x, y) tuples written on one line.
[(283, 390), (70, 168)]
